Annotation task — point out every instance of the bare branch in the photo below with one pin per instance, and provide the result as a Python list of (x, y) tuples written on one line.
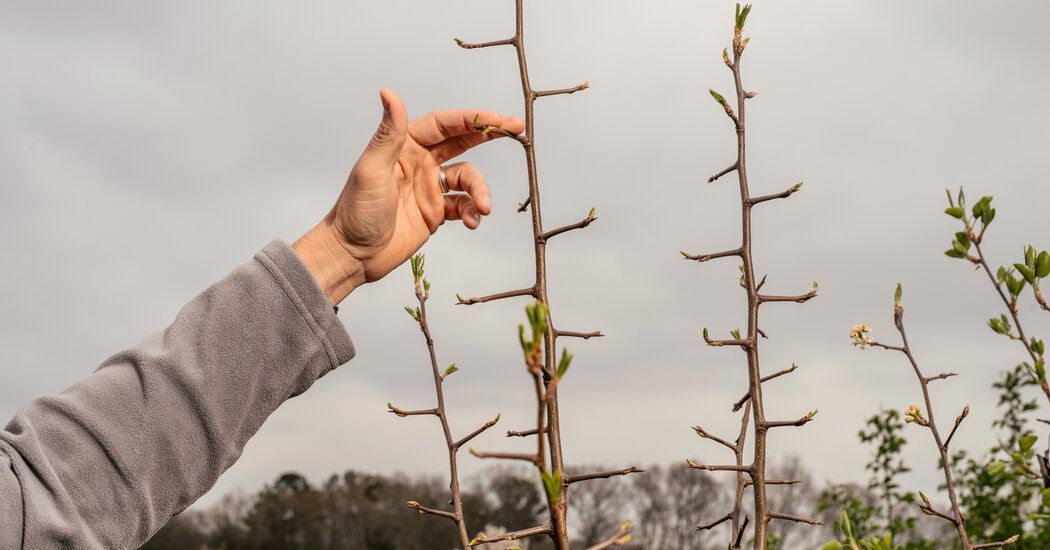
[(513, 433), (535, 459), (782, 195), (778, 515), (800, 422), (740, 532), (744, 342), (929, 511), (700, 432), (469, 46), (940, 376), (530, 291), (584, 335), (621, 537), (760, 283), (722, 173), (1010, 540), (749, 483), (475, 433), (747, 396), (404, 413), (424, 510), (720, 468), (566, 480), (958, 420), (572, 90), (715, 523), (532, 531), (520, 138), (706, 257), (578, 225), (802, 298)]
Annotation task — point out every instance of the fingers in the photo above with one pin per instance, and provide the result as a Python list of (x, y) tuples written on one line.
[(438, 126), (386, 144), (463, 176), (460, 207)]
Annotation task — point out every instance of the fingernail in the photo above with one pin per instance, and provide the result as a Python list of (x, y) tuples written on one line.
[(477, 218)]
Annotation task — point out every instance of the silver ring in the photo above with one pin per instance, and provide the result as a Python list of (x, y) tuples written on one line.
[(443, 181)]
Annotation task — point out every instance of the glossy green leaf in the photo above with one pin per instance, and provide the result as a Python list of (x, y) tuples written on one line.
[(1042, 264), (953, 253), (1027, 442), (955, 212), (1026, 272)]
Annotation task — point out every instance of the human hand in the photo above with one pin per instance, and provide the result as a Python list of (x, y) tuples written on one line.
[(392, 201)]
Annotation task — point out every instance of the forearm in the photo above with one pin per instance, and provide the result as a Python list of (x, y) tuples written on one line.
[(108, 461)]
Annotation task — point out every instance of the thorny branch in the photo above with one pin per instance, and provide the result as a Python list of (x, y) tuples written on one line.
[(748, 342), (915, 415), (541, 360), (422, 290)]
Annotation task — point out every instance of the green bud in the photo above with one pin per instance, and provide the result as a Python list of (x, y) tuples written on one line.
[(451, 369), (458, 41), (997, 326), (552, 482), (950, 201), (1037, 346), (563, 364), (735, 333), (718, 97), (897, 295)]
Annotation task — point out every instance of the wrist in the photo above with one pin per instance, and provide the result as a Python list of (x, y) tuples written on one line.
[(335, 270)]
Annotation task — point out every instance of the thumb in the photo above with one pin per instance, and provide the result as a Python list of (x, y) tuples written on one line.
[(386, 143)]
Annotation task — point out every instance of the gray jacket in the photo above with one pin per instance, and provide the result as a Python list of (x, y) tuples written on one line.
[(108, 461)]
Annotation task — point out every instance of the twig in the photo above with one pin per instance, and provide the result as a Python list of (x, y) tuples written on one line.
[(532, 531), (584, 335), (601, 475), (531, 291), (620, 538)]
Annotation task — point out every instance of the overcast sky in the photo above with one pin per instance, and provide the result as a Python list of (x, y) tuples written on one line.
[(148, 148)]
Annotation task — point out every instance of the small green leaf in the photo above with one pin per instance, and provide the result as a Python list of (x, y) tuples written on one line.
[(833, 545), (451, 369), (458, 41), (954, 253), (684, 253), (897, 294), (1018, 458), (997, 326), (1027, 442), (1029, 257), (1026, 272), (950, 201), (411, 312), (955, 212), (718, 97), (735, 333), (552, 483), (563, 364), (1042, 265), (963, 240)]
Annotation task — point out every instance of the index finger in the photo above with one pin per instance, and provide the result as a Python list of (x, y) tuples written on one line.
[(438, 126)]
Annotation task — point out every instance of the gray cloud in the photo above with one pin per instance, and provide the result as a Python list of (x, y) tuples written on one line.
[(147, 149)]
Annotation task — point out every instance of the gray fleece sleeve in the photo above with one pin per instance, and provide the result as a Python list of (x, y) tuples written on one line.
[(108, 461)]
